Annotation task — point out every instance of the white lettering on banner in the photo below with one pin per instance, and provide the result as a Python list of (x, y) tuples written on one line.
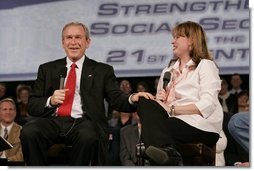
[(132, 36)]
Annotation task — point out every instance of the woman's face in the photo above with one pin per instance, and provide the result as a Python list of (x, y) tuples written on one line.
[(24, 96), (224, 88), (243, 100), (181, 46)]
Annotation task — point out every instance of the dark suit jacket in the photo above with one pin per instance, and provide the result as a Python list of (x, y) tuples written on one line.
[(98, 81), (128, 140)]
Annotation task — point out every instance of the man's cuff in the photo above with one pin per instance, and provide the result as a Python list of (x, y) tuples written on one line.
[(48, 103), (131, 102)]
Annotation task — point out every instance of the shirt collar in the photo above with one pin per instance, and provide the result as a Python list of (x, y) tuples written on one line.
[(188, 64), (8, 127), (79, 63)]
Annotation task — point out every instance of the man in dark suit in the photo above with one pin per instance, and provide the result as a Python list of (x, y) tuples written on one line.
[(130, 136), (129, 139), (85, 128)]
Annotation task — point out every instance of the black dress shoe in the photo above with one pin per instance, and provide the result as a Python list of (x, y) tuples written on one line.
[(168, 156)]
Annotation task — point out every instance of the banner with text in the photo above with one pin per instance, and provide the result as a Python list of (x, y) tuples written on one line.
[(132, 36)]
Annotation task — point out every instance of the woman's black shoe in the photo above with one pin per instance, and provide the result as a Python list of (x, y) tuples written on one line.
[(167, 156)]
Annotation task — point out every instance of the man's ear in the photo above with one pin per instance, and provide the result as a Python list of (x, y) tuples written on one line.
[(88, 42)]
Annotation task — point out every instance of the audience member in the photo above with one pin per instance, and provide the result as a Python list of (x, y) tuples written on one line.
[(17, 91), (23, 93), (188, 110), (119, 122), (10, 130), (126, 87), (236, 82), (233, 153), (74, 115), (130, 136), (242, 102), (114, 119), (225, 101), (2, 91), (238, 127), (142, 87), (114, 137)]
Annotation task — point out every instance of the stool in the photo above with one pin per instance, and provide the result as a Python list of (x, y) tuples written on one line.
[(140, 153), (197, 154), (194, 154), (58, 154)]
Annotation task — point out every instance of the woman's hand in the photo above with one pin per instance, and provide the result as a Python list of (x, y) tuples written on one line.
[(161, 95)]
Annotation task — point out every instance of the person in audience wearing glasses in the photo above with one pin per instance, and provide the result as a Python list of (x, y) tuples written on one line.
[(186, 109), (73, 114), (10, 130)]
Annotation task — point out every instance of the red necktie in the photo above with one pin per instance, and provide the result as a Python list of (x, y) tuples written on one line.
[(65, 108)]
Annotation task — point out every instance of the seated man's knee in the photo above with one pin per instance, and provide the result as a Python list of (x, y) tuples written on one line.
[(29, 131), (87, 137)]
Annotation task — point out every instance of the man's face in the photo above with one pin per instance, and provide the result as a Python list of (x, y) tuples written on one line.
[(7, 112), (125, 87), (74, 42), (236, 81)]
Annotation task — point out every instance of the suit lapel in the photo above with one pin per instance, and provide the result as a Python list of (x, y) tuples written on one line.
[(14, 134), (57, 72), (87, 75)]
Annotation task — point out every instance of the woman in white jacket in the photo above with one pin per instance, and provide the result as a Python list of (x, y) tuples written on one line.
[(186, 108)]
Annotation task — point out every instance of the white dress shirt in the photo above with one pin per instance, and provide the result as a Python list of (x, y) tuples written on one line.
[(234, 91), (224, 97), (76, 111), (201, 87)]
